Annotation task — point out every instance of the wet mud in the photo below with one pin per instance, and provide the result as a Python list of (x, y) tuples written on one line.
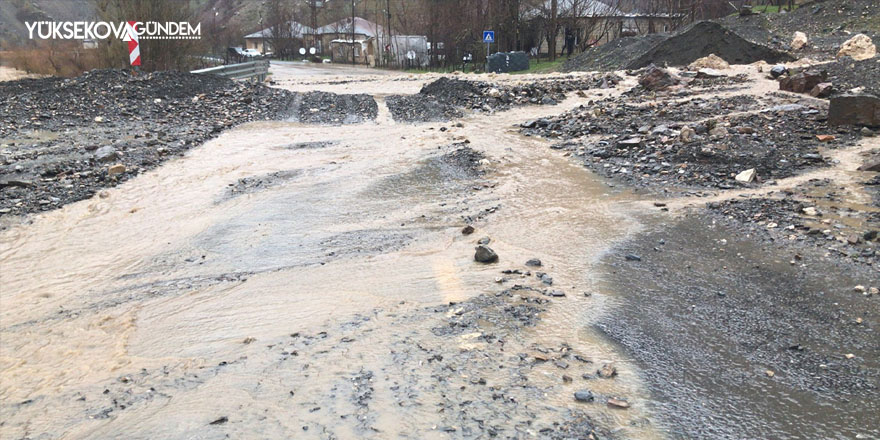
[(773, 349)]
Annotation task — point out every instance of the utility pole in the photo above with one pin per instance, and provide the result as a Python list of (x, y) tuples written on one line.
[(313, 5), (388, 30), (352, 33)]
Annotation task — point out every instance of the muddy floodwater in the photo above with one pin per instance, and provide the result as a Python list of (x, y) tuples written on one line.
[(283, 281), (286, 280)]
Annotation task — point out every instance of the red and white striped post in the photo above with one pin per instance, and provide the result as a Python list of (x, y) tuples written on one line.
[(134, 50)]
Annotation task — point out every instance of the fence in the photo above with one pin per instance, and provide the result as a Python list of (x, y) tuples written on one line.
[(251, 70)]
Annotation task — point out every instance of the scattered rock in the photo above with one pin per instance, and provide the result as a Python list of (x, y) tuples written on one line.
[(618, 403), (115, 170), (799, 41), (106, 154), (822, 90), (631, 257), (778, 71), (747, 176), (584, 396), (534, 262), (871, 166), (467, 230), (656, 79), (711, 61), (607, 371), (484, 254), (859, 47), (220, 421), (803, 82)]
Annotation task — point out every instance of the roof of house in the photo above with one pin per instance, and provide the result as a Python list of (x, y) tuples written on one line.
[(296, 29), (361, 26), (590, 8)]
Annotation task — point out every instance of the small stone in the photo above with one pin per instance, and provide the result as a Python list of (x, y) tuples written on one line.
[(584, 396), (484, 240), (99, 119), (484, 254), (106, 154), (632, 257), (607, 371), (867, 132), (799, 41), (534, 262), (873, 291), (825, 137), (687, 134), (467, 230), (811, 211), (778, 71), (557, 293), (618, 403), (860, 288), (114, 170), (770, 373), (718, 132), (747, 176), (849, 356)]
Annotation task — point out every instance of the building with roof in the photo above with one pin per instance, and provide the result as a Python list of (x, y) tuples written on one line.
[(263, 41), (588, 23)]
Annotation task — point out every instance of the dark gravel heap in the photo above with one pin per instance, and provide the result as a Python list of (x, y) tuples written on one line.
[(643, 145), (448, 98), (837, 228), (705, 38), (333, 109), (614, 55), (847, 74), (59, 136)]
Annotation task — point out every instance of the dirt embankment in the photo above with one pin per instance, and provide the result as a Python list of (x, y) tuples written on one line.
[(63, 140)]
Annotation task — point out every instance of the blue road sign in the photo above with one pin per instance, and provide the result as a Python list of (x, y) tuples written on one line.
[(488, 36)]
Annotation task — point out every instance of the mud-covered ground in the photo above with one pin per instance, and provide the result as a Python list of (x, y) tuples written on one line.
[(63, 140), (798, 334)]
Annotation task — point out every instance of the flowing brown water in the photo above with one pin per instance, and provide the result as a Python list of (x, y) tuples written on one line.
[(172, 293)]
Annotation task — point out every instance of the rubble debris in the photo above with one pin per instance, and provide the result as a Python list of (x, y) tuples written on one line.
[(655, 78)]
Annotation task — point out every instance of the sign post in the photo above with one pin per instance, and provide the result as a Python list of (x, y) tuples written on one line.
[(134, 50), (488, 38)]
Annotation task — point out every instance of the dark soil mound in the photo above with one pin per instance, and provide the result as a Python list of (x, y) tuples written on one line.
[(614, 55), (702, 39)]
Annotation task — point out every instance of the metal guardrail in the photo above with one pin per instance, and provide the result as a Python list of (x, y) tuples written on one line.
[(250, 70)]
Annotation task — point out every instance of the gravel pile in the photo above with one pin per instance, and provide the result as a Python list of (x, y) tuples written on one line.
[(448, 98), (685, 145), (614, 55), (332, 109), (702, 39)]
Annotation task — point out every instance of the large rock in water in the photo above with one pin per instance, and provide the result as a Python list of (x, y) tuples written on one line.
[(854, 110), (484, 254), (701, 40)]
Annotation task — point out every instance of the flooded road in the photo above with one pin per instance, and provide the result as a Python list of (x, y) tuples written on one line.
[(286, 280)]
